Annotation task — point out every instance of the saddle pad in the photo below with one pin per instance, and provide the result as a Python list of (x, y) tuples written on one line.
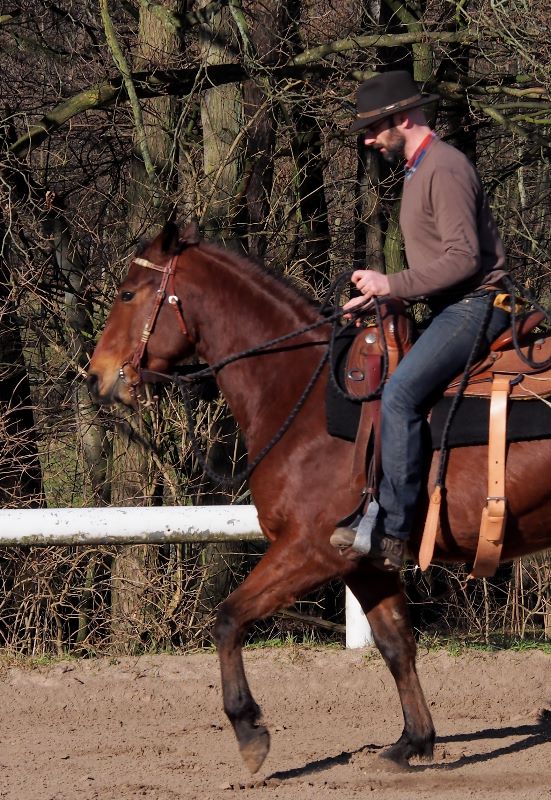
[(526, 419), (342, 414)]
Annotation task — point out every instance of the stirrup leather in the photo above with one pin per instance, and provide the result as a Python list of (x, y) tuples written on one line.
[(494, 514)]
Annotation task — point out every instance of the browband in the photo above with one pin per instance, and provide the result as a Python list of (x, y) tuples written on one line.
[(143, 262)]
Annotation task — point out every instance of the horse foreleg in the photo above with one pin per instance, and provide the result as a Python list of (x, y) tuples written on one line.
[(286, 572), (382, 598)]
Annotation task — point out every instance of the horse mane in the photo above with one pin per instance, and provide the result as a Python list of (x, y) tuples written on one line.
[(259, 272)]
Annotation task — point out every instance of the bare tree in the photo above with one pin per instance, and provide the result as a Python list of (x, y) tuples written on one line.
[(119, 115)]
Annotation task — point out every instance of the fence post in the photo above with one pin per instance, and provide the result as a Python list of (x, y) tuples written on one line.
[(358, 632)]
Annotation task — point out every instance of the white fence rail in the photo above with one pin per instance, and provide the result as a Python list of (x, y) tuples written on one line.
[(150, 525)]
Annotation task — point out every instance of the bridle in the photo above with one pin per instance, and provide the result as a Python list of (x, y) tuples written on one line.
[(167, 281)]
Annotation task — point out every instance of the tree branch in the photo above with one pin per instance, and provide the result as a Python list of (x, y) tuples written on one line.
[(147, 84), (181, 82), (120, 61), (5, 19), (383, 40)]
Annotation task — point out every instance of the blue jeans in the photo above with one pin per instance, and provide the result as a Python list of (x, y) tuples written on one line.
[(440, 353)]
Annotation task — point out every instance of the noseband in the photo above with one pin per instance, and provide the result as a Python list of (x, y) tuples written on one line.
[(167, 280)]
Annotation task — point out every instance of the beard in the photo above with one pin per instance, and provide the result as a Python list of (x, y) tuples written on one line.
[(394, 146)]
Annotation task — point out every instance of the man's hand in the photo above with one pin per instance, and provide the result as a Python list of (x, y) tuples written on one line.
[(370, 284)]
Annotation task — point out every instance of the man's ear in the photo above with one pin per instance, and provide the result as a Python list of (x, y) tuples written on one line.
[(402, 120)]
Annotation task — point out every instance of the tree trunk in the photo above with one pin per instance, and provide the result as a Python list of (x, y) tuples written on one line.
[(223, 142), (20, 472), (223, 148), (259, 112), (135, 479)]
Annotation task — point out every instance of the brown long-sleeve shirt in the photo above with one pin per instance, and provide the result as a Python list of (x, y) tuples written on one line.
[(451, 240)]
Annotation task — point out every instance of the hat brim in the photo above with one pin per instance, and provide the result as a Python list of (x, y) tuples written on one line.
[(360, 124)]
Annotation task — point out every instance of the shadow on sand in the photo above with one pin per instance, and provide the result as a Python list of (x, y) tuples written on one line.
[(532, 735)]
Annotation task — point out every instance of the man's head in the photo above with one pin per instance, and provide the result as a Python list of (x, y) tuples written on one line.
[(398, 135), (389, 109), (387, 136)]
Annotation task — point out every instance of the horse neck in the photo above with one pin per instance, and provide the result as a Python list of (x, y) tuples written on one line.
[(234, 306)]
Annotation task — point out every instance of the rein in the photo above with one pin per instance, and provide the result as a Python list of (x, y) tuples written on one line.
[(524, 294), (237, 479), (185, 382)]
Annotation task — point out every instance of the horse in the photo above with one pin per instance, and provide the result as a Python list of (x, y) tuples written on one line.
[(183, 296)]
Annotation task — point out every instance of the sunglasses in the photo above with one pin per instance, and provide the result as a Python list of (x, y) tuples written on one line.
[(372, 131)]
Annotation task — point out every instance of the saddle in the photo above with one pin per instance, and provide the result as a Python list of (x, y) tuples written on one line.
[(504, 375)]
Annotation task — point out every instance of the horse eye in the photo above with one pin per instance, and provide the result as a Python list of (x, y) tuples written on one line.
[(126, 296)]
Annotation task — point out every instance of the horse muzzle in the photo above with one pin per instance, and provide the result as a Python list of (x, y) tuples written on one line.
[(118, 392)]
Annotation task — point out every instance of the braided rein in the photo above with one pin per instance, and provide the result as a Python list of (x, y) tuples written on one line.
[(186, 382)]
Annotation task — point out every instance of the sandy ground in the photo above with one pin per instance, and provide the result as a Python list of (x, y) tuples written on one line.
[(153, 728)]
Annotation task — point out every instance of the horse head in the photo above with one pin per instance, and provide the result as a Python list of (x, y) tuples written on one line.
[(140, 331)]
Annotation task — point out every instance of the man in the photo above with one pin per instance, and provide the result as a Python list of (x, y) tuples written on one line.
[(455, 260)]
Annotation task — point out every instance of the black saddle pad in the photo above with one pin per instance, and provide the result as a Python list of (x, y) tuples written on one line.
[(526, 419), (343, 414)]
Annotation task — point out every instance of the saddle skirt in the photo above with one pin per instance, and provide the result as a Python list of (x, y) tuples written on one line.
[(528, 380)]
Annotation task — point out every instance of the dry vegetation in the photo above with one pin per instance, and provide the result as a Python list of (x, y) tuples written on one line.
[(118, 114)]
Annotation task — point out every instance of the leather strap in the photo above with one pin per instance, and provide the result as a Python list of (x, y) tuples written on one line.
[(370, 425), (158, 300), (365, 430), (492, 526), (432, 526)]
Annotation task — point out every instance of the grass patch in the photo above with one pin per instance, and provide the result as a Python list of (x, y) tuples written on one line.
[(305, 639), (19, 661), (457, 646)]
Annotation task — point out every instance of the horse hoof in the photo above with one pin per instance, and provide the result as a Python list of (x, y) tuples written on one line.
[(256, 749), (396, 757), (402, 750)]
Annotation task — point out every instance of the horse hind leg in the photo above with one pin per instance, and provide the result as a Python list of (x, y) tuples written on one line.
[(286, 572), (382, 598)]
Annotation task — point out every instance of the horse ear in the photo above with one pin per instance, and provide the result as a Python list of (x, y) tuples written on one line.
[(190, 234), (169, 237)]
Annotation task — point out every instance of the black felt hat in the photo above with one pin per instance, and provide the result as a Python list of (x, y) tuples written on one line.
[(385, 94)]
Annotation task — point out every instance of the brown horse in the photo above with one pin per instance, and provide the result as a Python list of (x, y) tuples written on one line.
[(221, 304)]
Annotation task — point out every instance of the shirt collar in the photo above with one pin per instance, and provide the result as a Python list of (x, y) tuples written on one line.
[(413, 162)]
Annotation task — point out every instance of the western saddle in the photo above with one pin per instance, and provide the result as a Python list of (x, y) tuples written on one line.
[(504, 374)]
